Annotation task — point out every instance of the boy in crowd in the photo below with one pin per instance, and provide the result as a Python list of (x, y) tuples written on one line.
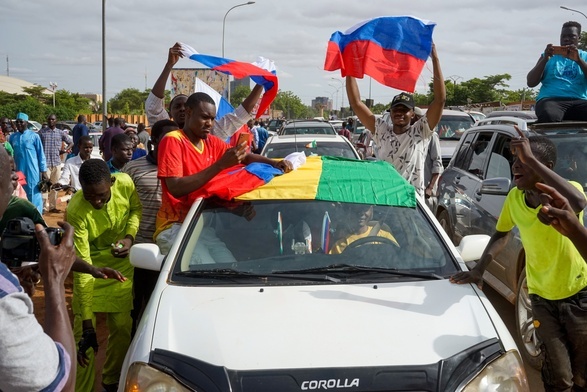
[(122, 151), (556, 273)]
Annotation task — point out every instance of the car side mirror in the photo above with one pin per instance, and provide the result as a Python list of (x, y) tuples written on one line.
[(146, 256), (496, 186), (472, 246)]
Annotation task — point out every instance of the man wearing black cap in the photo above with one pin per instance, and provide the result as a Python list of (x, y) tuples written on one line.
[(398, 142)]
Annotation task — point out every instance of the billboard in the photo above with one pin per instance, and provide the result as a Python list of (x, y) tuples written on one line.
[(183, 80)]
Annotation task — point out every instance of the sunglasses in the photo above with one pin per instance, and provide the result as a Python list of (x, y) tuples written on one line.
[(19, 121)]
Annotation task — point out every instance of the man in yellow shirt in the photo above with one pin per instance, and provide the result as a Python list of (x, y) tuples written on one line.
[(105, 215), (359, 225)]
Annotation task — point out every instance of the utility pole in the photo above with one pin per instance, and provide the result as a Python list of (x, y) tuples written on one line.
[(7, 66)]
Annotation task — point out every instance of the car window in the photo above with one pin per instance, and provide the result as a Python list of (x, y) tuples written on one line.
[(501, 159), (269, 236), (453, 127), (479, 153), (571, 160), (281, 150), (463, 155), (308, 131)]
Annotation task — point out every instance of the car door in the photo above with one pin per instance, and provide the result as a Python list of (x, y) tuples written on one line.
[(471, 162)]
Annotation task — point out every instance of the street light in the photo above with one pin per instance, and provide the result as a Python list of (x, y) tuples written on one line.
[(223, 29), (53, 88), (336, 92), (572, 10), (224, 21), (342, 94)]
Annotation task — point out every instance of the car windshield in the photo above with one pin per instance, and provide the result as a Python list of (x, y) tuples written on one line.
[(308, 131), (453, 127), (571, 162), (303, 240), (281, 150)]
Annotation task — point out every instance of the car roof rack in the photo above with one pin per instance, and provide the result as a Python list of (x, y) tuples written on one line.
[(505, 120)]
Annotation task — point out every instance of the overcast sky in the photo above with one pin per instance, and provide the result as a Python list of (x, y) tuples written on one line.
[(60, 40)]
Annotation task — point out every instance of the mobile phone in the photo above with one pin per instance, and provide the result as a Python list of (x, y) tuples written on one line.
[(243, 137), (561, 50)]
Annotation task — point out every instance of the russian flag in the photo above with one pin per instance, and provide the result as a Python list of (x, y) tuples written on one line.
[(223, 107), (264, 77), (390, 49)]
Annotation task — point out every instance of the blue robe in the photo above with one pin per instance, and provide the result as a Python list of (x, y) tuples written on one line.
[(30, 159)]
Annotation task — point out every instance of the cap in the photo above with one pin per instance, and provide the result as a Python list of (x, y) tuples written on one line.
[(22, 116), (403, 99)]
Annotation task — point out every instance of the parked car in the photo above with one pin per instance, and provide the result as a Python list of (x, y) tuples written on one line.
[(95, 136), (472, 190), (274, 125), (450, 128), (280, 146), (476, 115), (279, 312), (307, 127)]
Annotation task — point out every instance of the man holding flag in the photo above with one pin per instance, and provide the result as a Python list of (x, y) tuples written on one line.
[(392, 50), (224, 127)]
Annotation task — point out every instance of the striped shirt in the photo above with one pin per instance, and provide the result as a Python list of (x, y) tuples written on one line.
[(144, 174), (30, 360), (52, 140)]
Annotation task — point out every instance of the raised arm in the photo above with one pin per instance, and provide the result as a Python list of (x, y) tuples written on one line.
[(361, 110), (231, 122), (172, 59), (535, 75), (439, 89)]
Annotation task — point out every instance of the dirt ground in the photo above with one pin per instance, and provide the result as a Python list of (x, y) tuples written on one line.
[(39, 303)]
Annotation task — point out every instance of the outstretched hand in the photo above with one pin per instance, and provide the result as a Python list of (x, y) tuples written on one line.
[(521, 147), (465, 277), (174, 54), (557, 208)]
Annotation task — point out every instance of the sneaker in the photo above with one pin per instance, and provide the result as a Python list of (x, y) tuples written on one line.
[(54, 210)]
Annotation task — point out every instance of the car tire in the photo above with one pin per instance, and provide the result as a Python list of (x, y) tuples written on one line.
[(444, 221), (529, 345)]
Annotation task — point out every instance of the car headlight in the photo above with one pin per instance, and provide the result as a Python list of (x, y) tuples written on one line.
[(144, 378), (506, 373)]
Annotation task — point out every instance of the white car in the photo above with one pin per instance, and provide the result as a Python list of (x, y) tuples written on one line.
[(261, 294), (96, 150), (279, 146)]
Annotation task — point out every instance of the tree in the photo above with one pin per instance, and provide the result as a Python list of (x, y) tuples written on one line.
[(129, 98), (290, 104), (238, 95), (38, 93), (583, 41)]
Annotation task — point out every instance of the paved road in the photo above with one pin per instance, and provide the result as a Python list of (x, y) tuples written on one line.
[(506, 311)]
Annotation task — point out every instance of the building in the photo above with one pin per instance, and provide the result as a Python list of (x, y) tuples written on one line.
[(322, 103), (12, 85)]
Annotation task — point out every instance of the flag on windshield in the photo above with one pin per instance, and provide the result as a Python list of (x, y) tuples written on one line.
[(262, 72), (391, 49), (340, 180)]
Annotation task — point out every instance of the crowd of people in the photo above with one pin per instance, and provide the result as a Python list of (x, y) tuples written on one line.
[(142, 189)]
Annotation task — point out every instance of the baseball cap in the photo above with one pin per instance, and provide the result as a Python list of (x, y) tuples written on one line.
[(403, 99)]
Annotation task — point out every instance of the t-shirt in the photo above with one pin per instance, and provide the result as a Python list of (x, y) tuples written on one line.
[(407, 151), (179, 157), (554, 267), (563, 78), (341, 244)]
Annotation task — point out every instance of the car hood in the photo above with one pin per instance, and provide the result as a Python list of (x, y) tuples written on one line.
[(275, 327)]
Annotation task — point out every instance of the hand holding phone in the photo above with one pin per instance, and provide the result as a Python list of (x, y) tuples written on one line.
[(560, 50), (243, 138)]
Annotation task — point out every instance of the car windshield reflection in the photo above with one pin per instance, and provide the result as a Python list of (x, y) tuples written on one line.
[(331, 242)]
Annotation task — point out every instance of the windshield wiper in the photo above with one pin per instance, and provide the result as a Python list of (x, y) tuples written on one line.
[(229, 273), (363, 269)]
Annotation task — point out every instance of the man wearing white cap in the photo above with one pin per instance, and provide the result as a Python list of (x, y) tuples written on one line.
[(29, 158)]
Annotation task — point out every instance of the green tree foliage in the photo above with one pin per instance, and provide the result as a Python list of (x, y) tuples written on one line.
[(238, 95), (39, 105), (291, 105), (583, 41), (379, 108), (128, 101)]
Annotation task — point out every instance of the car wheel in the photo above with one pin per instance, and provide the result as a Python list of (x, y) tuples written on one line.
[(444, 221), (530, 344)]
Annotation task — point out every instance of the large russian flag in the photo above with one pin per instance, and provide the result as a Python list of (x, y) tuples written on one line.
[(264, 77), (390, 49)]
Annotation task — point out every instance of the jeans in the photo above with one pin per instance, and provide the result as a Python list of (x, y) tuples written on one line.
[(561, 325), (559, 109)]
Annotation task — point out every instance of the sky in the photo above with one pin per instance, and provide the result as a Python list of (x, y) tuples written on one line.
[(60, 41)]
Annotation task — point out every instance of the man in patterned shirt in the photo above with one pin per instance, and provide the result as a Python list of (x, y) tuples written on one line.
[(398, 142), (53, 139)]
